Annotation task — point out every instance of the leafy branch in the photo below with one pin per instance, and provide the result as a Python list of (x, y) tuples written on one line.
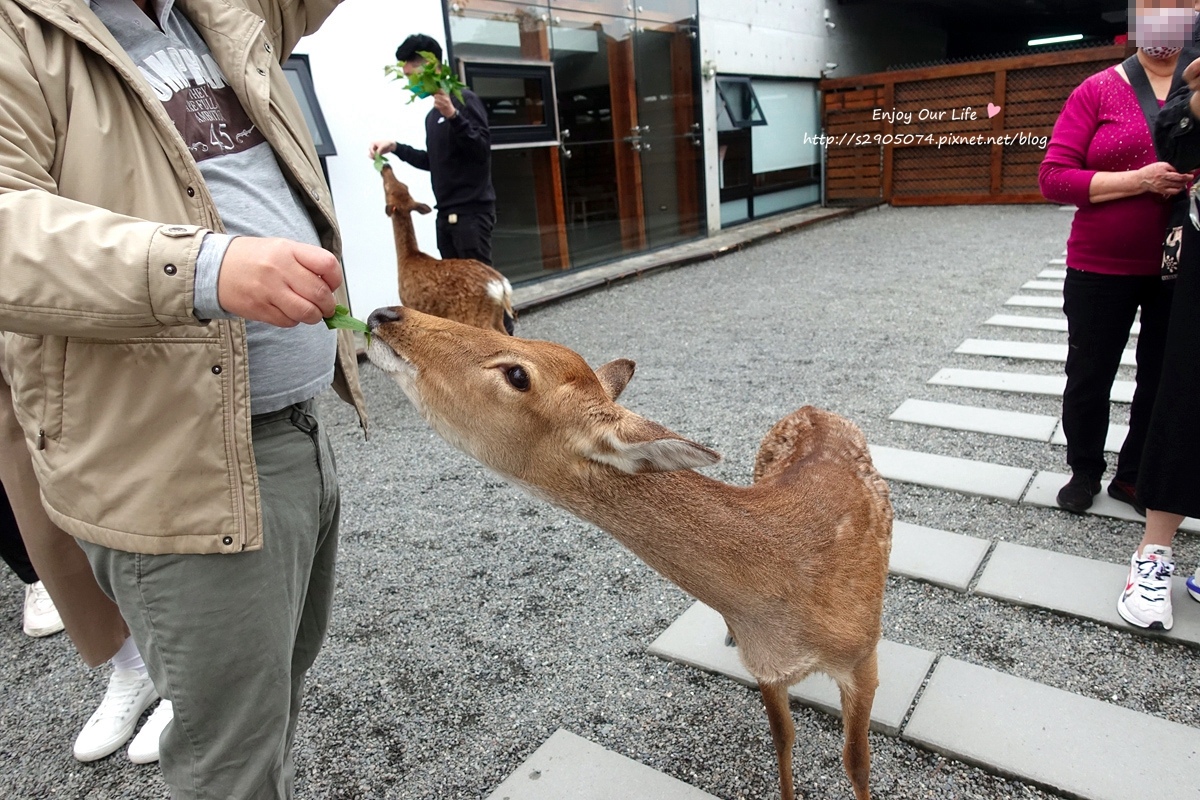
[(433, 77)]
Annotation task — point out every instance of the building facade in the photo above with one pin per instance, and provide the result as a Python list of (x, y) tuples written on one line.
[(619, 126)]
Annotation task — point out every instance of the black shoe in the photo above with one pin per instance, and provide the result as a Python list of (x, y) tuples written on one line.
[(1077, 495), (1127, 493)]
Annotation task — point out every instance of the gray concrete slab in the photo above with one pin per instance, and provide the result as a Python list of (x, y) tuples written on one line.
[(1081, 587), (1043, 285), (1045, 486), (1053, 274), (1073, 744), (955, 474), (1112, 443), (1054, 262), (1030, 351), (1122, 391), (1031, 301), (1030, 323), (697, 639), (569, 767), (1038, 427), (940, 557), (1040, 323)]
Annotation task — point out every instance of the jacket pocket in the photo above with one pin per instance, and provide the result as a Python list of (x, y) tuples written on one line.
[(35, 366), (144, 446)]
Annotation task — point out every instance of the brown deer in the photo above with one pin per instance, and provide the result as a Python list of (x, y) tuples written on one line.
[(796, 562), (460, 289)]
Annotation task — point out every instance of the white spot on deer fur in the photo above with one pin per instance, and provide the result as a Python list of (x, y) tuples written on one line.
[(499, 290)]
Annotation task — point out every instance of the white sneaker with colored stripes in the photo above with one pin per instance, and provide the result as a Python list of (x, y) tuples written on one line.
[(1146, 600)]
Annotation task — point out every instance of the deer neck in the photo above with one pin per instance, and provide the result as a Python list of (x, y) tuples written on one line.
[(686, 526), (406, 237)]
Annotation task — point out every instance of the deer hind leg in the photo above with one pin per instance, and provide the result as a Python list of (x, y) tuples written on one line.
[(783, 732), (858, 694)]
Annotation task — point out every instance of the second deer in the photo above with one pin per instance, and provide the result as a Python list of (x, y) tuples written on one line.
[(460, 289), (796, 563)]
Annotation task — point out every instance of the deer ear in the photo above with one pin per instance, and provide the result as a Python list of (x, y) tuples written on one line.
[(388, 209), (614, 376), (421, 208), (636, 444)]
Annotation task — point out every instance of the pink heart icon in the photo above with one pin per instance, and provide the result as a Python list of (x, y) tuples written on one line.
[(993, 110)]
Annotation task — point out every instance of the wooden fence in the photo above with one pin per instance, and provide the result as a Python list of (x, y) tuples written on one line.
[(958, 134)]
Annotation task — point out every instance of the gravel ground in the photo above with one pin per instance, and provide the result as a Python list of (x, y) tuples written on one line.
[(472, 621)]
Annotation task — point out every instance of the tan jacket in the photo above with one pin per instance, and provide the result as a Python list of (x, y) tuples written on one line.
[(137, 414)]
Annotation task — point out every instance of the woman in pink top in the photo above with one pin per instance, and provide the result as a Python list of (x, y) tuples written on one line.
[(1101, 158)]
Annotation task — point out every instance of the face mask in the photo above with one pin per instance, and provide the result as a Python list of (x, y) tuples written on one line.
[(1161, 53), (1163, 28)]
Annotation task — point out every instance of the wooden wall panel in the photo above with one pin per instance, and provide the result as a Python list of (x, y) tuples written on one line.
[(891, 157)]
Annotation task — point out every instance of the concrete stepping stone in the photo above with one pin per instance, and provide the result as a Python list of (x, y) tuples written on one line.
[(1031, 351), (569, 767), (1029, 301), (697, 639), (1112, 443), (1080, 587), (1122, 391), (1043, 286), (1015, 424), (939, 557), (955, 474), (1072, 744), (1041, 323), (1030, 323), (1056, 262), (1044, 489), (1053, 274)]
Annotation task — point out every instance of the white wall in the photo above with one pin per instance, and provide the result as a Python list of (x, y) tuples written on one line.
[(347, 57)]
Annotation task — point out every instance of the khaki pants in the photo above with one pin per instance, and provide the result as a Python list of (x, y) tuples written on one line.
[(91, 619), (228, 638)]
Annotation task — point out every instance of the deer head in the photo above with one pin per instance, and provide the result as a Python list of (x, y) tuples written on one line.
[(533, 411), (397, 196)]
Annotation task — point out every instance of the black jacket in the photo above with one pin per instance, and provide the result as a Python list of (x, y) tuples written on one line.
[(458, 156)]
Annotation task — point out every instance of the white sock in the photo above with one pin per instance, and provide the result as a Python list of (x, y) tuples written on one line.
[(128, 657)]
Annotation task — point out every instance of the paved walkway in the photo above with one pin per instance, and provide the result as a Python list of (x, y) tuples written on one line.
[(1049, 737)]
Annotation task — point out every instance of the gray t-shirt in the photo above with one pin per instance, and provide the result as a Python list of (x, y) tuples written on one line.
[(287, 365)]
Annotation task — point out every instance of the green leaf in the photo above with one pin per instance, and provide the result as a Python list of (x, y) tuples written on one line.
[(380, 162), (341, 319)]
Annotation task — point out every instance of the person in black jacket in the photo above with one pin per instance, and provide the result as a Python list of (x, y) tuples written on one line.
[(1170, 468), (458, 156)]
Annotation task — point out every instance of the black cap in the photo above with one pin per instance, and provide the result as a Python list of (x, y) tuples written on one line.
[(417, 43)]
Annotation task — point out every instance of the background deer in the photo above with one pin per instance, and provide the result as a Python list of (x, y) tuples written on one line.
[(460, 289), (796, 563)]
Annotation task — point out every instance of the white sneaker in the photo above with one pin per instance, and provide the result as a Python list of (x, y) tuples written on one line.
[(41, 617), (129, 694), (1146, 600), (144, 747)]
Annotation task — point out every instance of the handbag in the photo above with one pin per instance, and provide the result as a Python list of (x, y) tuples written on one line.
[(1180, 205)]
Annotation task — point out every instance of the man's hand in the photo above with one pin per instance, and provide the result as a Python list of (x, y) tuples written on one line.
[(278, 281), (443, 103), (381, 147), (1162, 179)]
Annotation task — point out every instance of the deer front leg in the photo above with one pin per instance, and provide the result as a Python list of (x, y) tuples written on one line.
[(783, 732), (858, 694)]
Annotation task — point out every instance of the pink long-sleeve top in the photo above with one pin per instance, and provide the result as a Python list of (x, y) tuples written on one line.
[(1102, 129)]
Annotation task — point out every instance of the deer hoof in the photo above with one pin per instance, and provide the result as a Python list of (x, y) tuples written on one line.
[(729, 640)]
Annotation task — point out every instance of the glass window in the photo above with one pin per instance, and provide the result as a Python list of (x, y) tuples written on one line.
[(519, 98), (299, 77), (793, 110), (738, 106)]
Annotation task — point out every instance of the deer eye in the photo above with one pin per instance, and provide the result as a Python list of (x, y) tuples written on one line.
[(518, 378)]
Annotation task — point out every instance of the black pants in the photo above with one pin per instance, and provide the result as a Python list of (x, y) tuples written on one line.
[(1100, 310), (470, 236), (12, 546)]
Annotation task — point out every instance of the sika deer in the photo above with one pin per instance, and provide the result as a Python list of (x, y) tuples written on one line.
[(796, 563), (461, 289)]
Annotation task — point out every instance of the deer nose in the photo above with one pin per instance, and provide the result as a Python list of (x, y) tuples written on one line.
[(382, 315)]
